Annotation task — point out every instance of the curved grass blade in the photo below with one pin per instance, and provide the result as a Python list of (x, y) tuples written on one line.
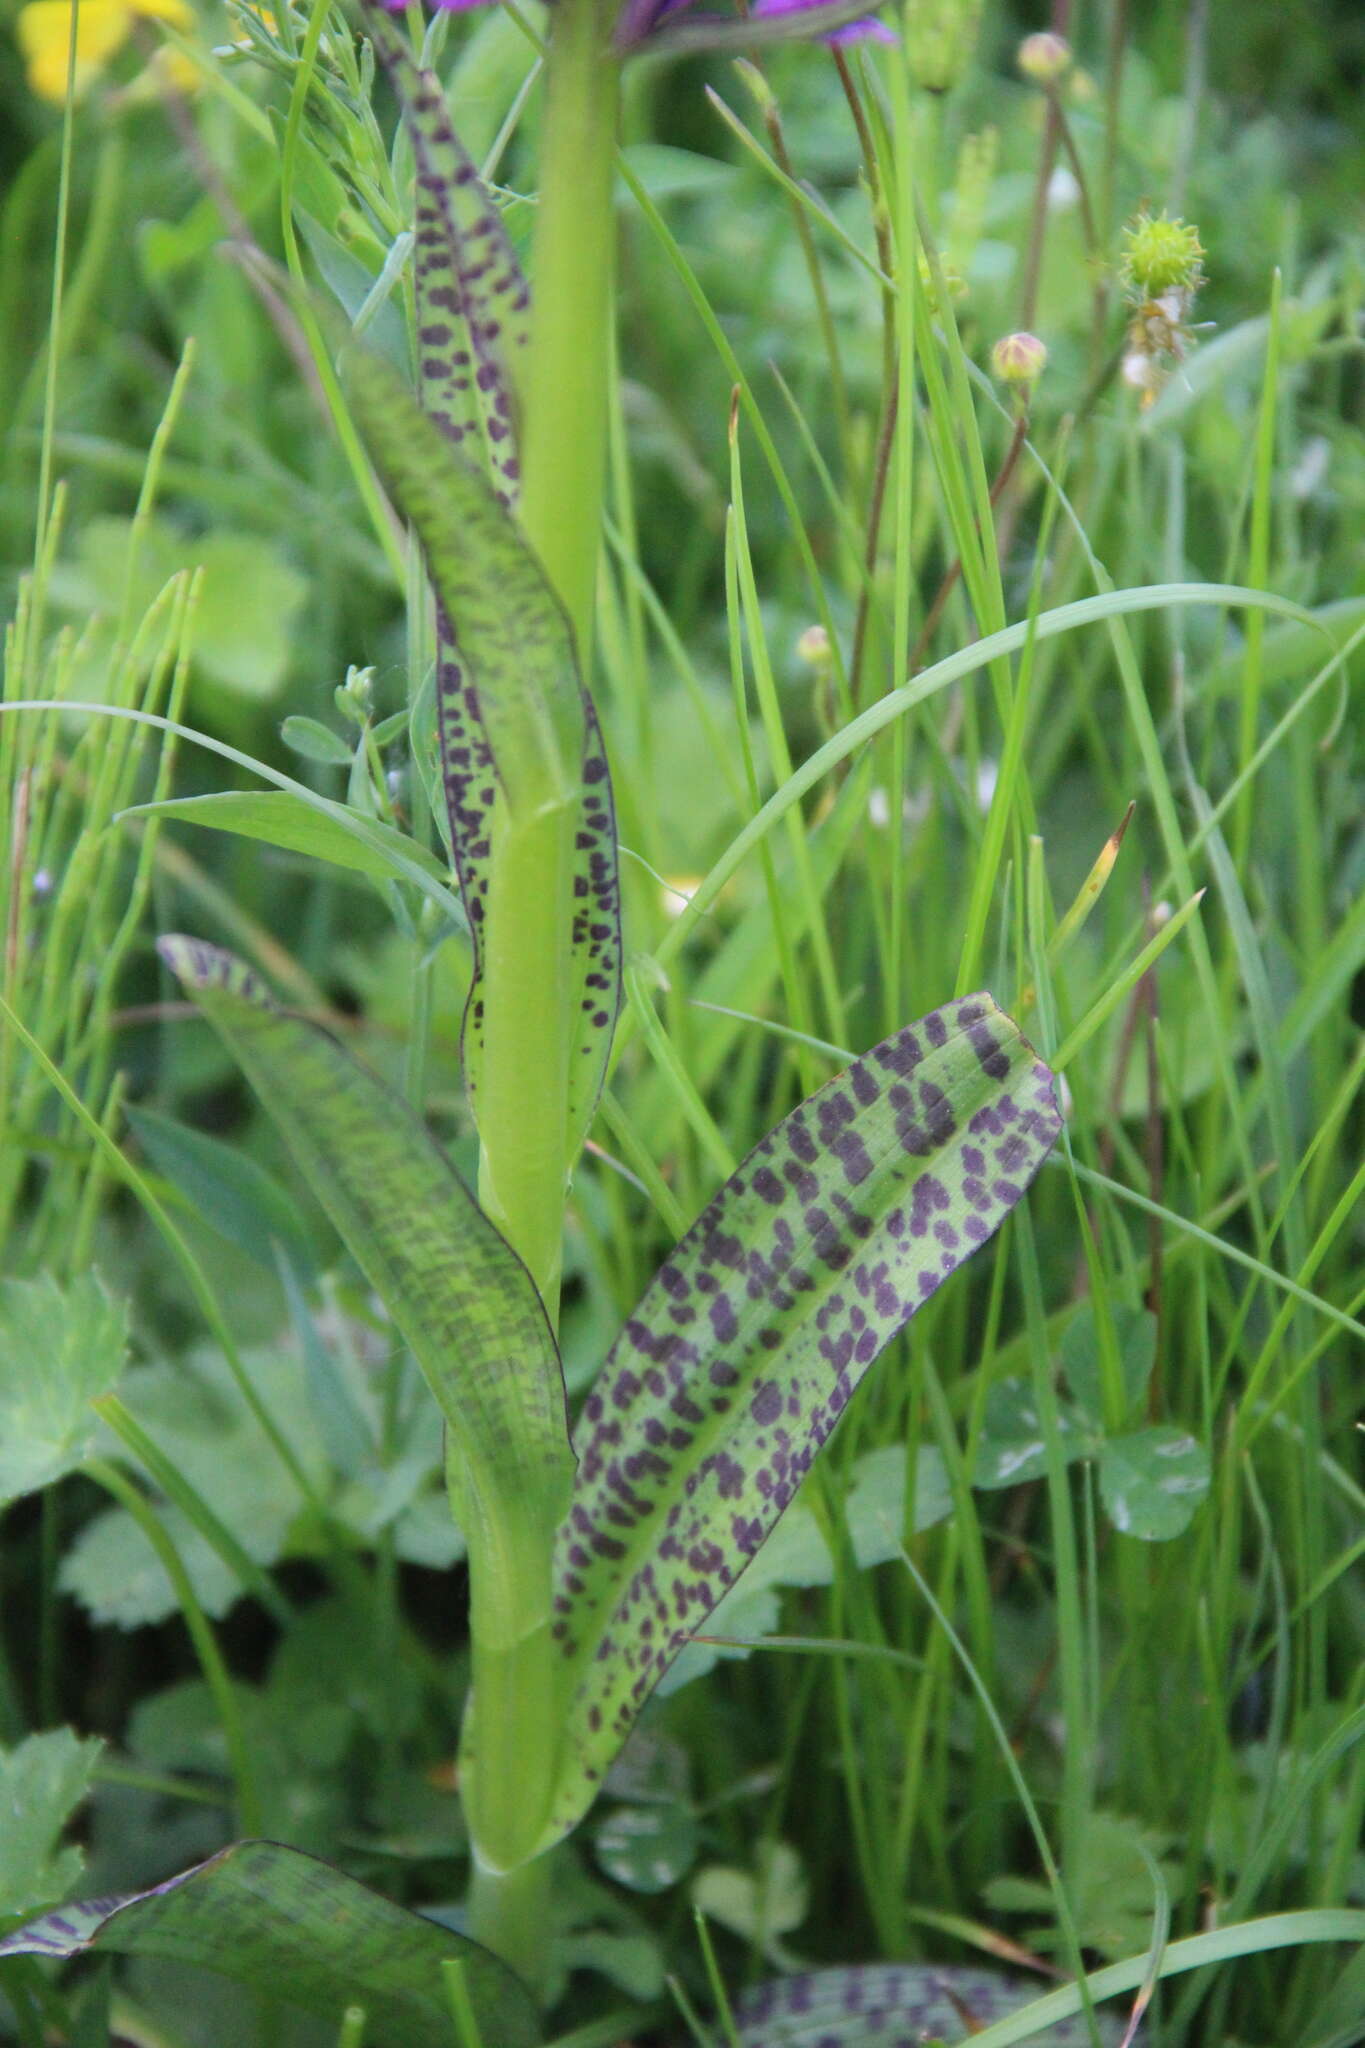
[(471, 297), (749, 1342), (279, 1922), (455, 1289), (880, 2005), (519, 736)]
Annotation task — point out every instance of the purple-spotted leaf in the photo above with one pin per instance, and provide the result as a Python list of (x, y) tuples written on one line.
[(749, 1342), (455, 1289), (471, 296), (278, 1922), (889, 2005), (520, 744)]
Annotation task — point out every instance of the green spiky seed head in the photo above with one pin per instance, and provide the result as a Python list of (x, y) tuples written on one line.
[(1160, 255)]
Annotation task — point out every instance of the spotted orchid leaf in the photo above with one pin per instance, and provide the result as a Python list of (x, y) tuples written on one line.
[(454, 1288), (520, 742), (281, 1923), (749, 1342), (471, 297), (888, 2005), (787, 21)]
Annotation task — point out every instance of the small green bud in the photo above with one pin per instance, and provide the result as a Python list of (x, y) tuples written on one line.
[(813, 647), (1160, 256), (1044, 58), (1019, 358)]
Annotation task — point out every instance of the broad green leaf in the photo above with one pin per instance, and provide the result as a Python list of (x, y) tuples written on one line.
[(368, 846), (281, 1923), (751, 1339), (42, 1781), (885, 2005), (195, 1415), (60, 1349), (456, 1291), (1153, 1481), (875, 1507), (647, 1848), (760, 1906), (520, 742), (1134, 1331), (226, 1189), (1011, 1448), (471, 298), (1111, 1887)]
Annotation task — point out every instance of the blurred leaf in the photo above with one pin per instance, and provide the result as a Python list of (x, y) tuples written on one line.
[(60, 1349), (1153, 1482), (760, 1906), (1011, 1447), (270, 1918), (249, 603), (883, 2005), (875, 1504), (1134, 1332), (229, 1191), (42, 1782), (752, 1337), (647, 1848), (198, 1419)]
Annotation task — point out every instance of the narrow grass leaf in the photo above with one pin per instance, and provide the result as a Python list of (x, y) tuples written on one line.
[(748, 1344), (282, 1923), (455, 1289)]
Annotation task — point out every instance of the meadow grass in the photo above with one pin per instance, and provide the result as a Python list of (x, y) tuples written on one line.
[(1032, 1730)]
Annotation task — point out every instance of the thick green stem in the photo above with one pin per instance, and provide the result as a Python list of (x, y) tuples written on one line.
[(564, 392), (522, 1101)]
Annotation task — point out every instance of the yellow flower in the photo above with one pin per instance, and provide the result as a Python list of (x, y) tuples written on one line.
[(102, 28)]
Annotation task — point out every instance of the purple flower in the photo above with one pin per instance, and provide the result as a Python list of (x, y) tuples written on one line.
[(669, 24)]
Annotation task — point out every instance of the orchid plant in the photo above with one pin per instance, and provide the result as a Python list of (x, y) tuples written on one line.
[(595, 1553)]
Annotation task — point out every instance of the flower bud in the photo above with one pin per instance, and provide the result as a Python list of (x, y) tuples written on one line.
[(940, 36), (1019, 358), (1044, 58), (813, 647)]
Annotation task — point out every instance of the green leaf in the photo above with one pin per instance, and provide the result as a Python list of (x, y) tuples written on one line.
[(42, 1782), (316, 741), (520, 743), (471, 299), (875, 1507), (459, 1295), (280, 1923), (227, 1190), (760, 1906), (748, 1344), (647, 1848), (1134, 1333), (60, 1349), (194, 1413), (1153, 1481), (368, 846), (882, 2005), (1011, 1448)]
